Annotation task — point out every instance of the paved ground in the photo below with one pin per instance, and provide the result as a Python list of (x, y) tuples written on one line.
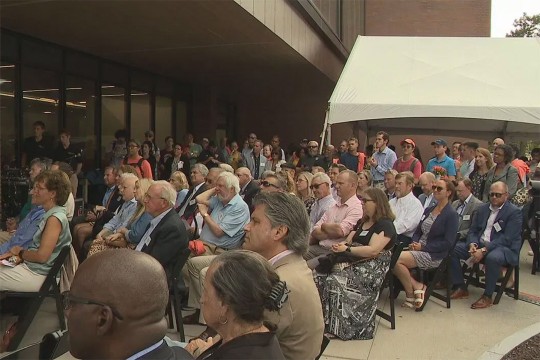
[(435, 333)]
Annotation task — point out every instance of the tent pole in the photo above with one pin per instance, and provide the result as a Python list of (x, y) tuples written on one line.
[(325, 127), (367, 136), (504, 130)]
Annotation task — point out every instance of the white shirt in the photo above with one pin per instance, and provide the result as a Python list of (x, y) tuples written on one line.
[(428, 201), (319, 208), (408, 210), (145, 240), (486, 236)]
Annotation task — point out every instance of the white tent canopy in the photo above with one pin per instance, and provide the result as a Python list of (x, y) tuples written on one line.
[(441, 84)]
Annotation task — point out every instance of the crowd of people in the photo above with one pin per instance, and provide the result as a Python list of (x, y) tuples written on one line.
[(285, 246)]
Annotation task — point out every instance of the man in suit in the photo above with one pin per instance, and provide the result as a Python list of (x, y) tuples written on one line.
[(111, 316), (465, 206), (254, 160), (278, 230), (495, 238), (248, 187), (166, 236), (187, 208), (426, 182)]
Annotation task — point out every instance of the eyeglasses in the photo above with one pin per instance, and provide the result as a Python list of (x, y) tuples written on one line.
[(68, 300), (268, 184), (148, 197), (367, 200), (315, 186), (497, 195), (437, 188), (312, 146)]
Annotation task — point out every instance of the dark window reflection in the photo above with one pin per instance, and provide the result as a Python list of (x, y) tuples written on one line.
[(7, 113), (164, 118), (113, 115), (140, 114)]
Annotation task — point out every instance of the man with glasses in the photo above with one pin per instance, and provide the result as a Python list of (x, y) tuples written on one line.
[(166, 237), (142, 166), (407, 162), (312, 156), (110, 315), (382, 160), (494, 238), (320, 184), (274, 183), (466, 206)]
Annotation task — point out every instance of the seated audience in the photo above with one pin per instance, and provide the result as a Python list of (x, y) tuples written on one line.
[(320, 185), (248, 187), (494, 238), (482, 163), (432, 241), (24, 234), (303, 189), (275, 162), (390, 183), (406, 207), (180, 183), (365, 181), (502, 171), (186, 210), (111, 316), (274, 183), (36, 167), (70, 203), (349, 295), (427, 182), (238, 288), (51, 189), (338, 221), (465, 206)]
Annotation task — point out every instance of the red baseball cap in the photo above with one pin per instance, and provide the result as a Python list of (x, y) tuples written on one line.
[(408, 141)]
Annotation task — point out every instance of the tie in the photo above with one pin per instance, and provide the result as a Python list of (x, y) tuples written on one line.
[(183, 207), (460, 209)]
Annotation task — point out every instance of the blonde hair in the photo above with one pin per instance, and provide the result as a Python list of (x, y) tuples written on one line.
[(181, 178), (142, 186), (309, 179)]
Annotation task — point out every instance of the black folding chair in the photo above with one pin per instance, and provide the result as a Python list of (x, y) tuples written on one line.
[(50, 288), (389, 280), (175, 298), (52, 346), (325, 342)]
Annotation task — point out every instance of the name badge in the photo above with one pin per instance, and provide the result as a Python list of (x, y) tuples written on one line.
[(193, 202), (364, 233), (497, 227), (180, 165), (466, 217)]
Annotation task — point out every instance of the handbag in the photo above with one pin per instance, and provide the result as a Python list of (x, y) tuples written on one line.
[(327, 263), (521, 197)]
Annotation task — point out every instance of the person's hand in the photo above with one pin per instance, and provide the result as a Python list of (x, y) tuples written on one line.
[(6, 256), (472, 248), (198, 346), (341, 247), (15, 250), (203, 208), (117, 240), (373, 161), (112, 238), (415, 246), (478, 255), (99, 208), (123, 231), (99, 237)]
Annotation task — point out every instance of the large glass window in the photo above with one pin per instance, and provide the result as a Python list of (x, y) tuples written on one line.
[(113, 114), (80, 115), (163, 119), (181, 120), (7, 113), (140, 114)]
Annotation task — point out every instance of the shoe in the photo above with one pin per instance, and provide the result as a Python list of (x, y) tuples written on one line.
[(482, 303), (419, 297), (192, 319), (459, 293)]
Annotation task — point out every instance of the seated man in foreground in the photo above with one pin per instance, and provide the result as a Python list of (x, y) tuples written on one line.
[(110, 316), (406, 207), (495, 238)]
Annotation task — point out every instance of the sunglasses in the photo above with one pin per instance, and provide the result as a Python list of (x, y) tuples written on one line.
[(68, 300), (268, 184), (315, 186), (497, 195), (437, 188)]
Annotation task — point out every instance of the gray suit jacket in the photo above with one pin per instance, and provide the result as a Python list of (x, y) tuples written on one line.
[(249, 162), (465, 220), (422, 197)]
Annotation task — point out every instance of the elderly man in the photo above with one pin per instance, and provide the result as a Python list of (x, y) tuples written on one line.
[(187, 208), (465, 206), (225, 214), (110, 316), (427, 181), (441, 159), (254, 160), (312, 157), (495, 238), (166, 236), (320, 184), (338, 221), (406, 207), (467, 158), (278, 231), (382, 160), (248, 187)]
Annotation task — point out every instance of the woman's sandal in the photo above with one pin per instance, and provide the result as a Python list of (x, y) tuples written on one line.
[(408, 303), (419, 300)]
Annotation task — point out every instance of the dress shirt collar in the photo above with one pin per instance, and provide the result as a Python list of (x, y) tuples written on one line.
[(496, 209), (351, 201), (158, 218), (145, 351), (280, 256)]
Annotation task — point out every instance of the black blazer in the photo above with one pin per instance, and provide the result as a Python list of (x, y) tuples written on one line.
[(168, 239), (249, 193), (246, 347), (166, 352), (191, 209)]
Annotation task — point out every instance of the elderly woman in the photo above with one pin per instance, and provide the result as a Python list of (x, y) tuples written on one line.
[(51, 190), (303, 189), (130, 235), (239, 287), (482, 164), (350, 292), (365, 181), (502, 171), (432, 241), (180, 183)]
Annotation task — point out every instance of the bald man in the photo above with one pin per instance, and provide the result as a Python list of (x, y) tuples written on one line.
[(248, 187), (111, 316)]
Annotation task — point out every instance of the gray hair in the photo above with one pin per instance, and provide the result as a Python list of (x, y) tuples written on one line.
[(167, 193), (226, 167), (244, 281), (127, 176), (288, 210), (429, 176), (44, 164), (231, 181), (266, 173), (281, 180), (202, 169), (324, 178)]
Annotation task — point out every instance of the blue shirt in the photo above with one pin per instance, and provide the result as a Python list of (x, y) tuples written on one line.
[(446, 162), (26, 230), (231, 218), (138, 228), (107, 195), (385, 161), (122, 217), (350, 161)]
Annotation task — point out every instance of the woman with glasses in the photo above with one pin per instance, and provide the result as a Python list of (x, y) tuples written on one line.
[(482, 164), (31, 267), (502, 171), (304, 191), (130, 235), (433, 239), (350, 292)]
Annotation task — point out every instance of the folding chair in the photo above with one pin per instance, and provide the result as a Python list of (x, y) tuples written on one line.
[(389, 280), (325, 342), (175, 299), (49, 288)]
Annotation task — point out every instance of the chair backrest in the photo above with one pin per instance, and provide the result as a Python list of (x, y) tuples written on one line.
[(52, 346), (177, 266), (55, 270), (396, 251)]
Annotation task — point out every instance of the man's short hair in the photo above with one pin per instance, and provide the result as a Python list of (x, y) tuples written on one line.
[(352, 139), (471, 145), (127, 176), (167, 191), (384, 135), (467, 182), (231, 180), (44, 164), (341, 167), (407, 175), (288, 210), (391, 172), (324, 178), (39, 123), (201, 168), (281, 180)]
